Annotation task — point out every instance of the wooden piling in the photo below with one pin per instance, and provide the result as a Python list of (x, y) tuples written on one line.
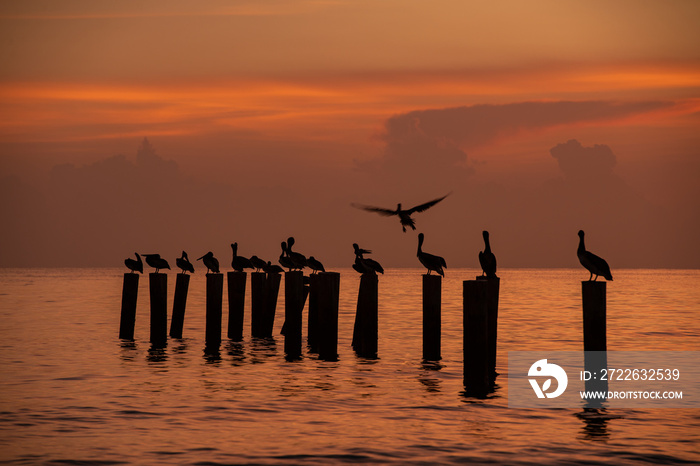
[(328, 290), (492, 311), (272, 288), (158, 287), (312, 328), (594, 336), (432, 304), (236, 304), (130, 291), (182, 284), (258, 306), (293, 306), (365, 333), (475, 337), (215, 293)]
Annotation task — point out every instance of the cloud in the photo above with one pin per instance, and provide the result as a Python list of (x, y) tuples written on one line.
[(583, 163)]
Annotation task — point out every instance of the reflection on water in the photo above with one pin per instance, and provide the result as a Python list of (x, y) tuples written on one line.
[(68, 399)]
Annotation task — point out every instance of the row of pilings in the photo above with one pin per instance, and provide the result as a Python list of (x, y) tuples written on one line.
[(322, 290)]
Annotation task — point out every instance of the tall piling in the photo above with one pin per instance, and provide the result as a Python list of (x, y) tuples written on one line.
[(272, 288), (215, 293), (366, 330), (492, 292), (475, 338), (236, 304), (258, 304), (328, 290), (294, 298), (130, 291), (182, 285), (158, 287), (432, 307), (595, 335), (312, 327)]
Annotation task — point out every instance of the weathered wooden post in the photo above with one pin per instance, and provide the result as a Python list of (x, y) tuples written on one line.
[(328, 289), (215, 294), (595, 336), (475, 338), (236, 304), (365, 333), (158, 287), (312, 332), (272, 288), (432, 303), (492, 291), (293, 306), (130, 291), (258, 305), (182, 285)]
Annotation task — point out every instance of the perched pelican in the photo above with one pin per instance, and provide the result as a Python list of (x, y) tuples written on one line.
[(157, 262), (134, 265), (486, 258), (184, 263), (315, 265), (272, 268), (239, 262), (594, 264), (430, 261), (359, 251), (298, 259), (284, 260), (404, 215), (258, 263), (363, 265), (210, 262)]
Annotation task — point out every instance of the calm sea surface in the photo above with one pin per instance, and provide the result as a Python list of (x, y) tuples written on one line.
[(71, 392)]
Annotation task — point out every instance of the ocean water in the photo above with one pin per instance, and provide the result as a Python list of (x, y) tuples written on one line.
[(71, 392)]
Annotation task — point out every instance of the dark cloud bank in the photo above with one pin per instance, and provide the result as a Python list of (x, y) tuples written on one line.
[(100, 213)]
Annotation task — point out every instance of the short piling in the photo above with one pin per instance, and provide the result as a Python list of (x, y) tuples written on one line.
[(182, 285), (595, 335), (492, 311), (312, 328), (272, 288), (236, 304), (158, 287), (432, 305), (215, 293), (328, 290), (258, 305), (130, 291), (366, 330), (475, 338), (293, 305)]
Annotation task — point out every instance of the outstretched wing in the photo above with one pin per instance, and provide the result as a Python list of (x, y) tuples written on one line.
[(427, 205), (379, 210)]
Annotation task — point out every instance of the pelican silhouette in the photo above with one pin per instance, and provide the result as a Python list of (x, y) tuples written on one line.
[(430, 261), (486, 258), (272, 268), (594, 264), (210, 262), (404, 215), (135, 265), (365, 265), (238, 263), (359, 251), (297, 258), (315, 265), (258, 263), (284, 259), (157, 262), (184, 263)]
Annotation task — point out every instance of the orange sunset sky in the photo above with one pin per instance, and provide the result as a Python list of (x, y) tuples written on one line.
[(268, 119)]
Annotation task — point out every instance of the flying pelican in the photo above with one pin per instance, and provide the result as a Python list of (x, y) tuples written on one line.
[(272, 268), (365, 265), (315, 265), (258, 263), (430, 261), (298, 258), (210, 262), (239, 262), (594, 264), (134, 265), (157, 262), (284, 260), (486, 258), (404, 215), (184, 263)]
